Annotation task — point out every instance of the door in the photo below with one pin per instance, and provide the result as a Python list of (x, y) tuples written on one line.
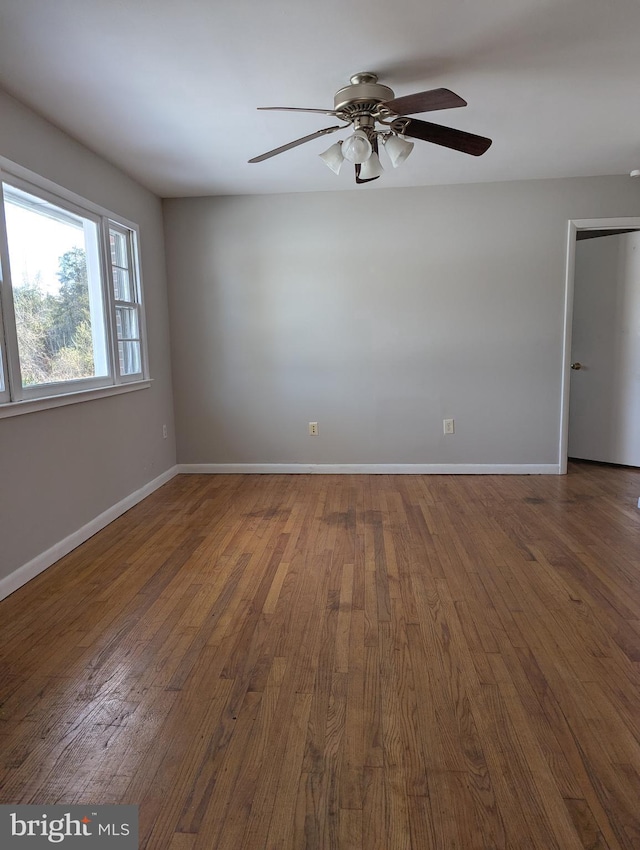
[(604, 401)]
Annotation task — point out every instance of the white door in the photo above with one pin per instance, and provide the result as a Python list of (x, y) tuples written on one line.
[(604, 401)]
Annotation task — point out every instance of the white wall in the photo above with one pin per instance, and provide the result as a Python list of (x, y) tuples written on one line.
[(61, 468), (377, 314)]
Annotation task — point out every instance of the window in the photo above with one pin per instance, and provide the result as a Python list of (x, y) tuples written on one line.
[(127, 302), (70, 295)]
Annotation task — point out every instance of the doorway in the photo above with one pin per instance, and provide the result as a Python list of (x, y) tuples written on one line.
[(601, 384)]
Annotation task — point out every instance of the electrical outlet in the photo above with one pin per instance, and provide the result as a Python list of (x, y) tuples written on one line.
[(448, 426), (313, 429), (164, 431)]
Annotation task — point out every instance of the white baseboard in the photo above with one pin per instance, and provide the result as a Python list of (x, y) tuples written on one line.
[(370, 468), (41, 562)]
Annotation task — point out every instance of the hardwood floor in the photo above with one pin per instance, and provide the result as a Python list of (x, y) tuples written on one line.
[(370, 662)]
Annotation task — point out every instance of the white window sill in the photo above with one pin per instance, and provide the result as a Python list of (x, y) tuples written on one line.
[(16, 408)]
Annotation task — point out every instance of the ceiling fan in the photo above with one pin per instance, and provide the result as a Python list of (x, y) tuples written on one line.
[(363, 105)]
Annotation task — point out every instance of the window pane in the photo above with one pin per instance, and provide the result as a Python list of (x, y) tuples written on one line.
[(118, 243), (122, 285), (129, 353), (127, 322), (58, 308)]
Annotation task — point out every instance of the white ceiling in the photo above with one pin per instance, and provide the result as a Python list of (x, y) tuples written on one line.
[(168, 90)]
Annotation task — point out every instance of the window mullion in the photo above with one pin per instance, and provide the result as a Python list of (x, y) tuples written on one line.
[(12, 378), (133, 266), (110, 304), (5, 394), (136, 271)]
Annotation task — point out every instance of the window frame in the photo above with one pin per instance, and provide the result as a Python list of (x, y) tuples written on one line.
[(15, 398), (6, 297), (135, 283)]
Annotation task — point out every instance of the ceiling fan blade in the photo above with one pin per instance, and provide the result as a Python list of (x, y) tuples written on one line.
[(457, 140), (425, 101), (297, 142), (295, 109)]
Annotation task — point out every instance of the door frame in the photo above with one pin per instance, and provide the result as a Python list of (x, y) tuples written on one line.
[(574, 225)]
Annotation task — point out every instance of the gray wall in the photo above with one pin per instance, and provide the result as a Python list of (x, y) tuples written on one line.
[(377, 314), (61, 468)]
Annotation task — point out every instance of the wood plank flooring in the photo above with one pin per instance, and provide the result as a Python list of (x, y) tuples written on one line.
[(352, 662)]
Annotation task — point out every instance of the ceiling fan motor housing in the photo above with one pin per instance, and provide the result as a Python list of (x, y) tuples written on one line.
[(364, 88)]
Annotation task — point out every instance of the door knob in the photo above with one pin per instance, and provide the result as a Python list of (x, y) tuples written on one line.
[(576, 366)]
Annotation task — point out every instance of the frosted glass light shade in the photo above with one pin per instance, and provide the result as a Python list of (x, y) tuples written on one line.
[(333, 157), (371, 168), (398, 149), (357, 147)]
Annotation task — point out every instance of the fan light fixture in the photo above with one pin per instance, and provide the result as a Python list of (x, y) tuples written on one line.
[(357, 147), (397, 148), (371, 168), (333, 157)]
